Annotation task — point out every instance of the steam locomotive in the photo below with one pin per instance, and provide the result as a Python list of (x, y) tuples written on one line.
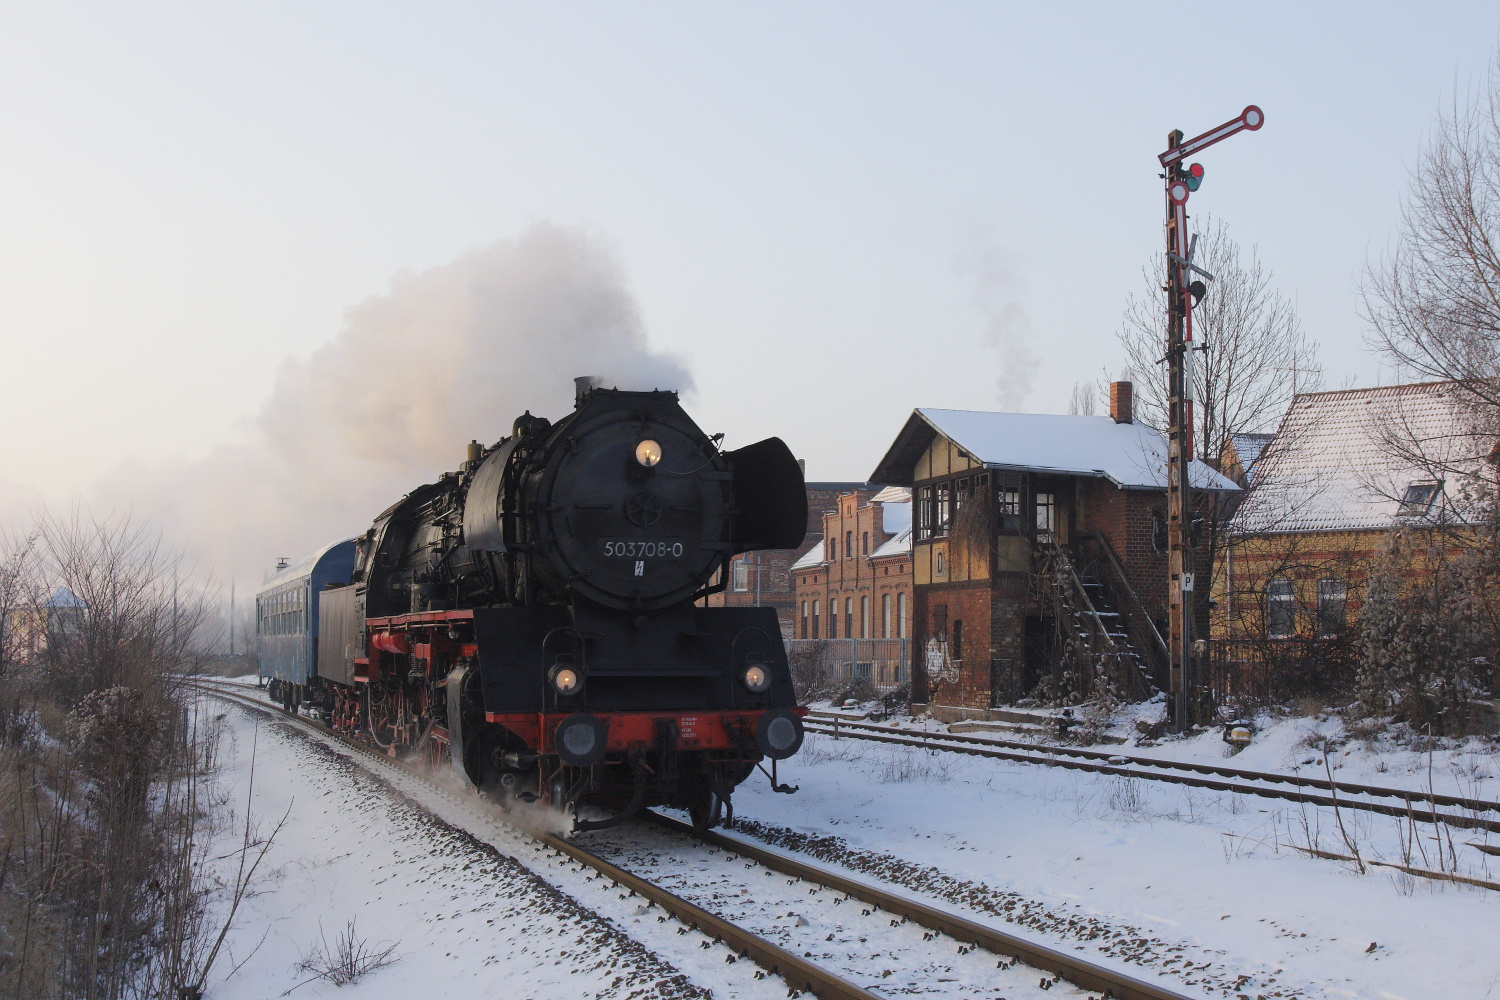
[(536, 620)]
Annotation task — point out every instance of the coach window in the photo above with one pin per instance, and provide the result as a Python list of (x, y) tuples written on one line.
[(1332, 596), (1280, 610)]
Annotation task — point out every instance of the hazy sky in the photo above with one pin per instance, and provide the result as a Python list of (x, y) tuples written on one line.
[(831, 213)]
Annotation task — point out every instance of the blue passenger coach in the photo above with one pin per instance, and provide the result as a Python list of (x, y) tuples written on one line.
[(286, 615)]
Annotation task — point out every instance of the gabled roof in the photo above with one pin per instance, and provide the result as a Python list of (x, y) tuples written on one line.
[(898, 546), (1247, 448), (1344, 460), (812, 557), (62, 598), (1132, 456)]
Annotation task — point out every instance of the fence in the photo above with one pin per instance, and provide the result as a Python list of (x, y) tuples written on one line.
[(885, 664), (1270, 670)]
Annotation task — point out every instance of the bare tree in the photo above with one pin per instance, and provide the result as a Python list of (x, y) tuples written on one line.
[(1081, 402), (1434, 300), (1257, 354)]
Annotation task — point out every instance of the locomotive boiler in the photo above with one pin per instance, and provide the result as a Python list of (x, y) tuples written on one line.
[(537, 617)]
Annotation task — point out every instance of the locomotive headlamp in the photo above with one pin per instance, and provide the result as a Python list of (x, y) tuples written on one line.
[(581, 740), (778, 733), (648, 453), (565, 678), (756, 678)]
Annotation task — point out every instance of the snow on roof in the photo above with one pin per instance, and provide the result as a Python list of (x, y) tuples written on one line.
[(1248, 448), (61, 598), (1344, 460), (812, 557), (1129, 455), (898, 546), (896, 517), (892, 494)]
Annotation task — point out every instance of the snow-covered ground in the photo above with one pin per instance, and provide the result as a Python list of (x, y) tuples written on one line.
[(1205, 889), (1158, 876), (481, 911)]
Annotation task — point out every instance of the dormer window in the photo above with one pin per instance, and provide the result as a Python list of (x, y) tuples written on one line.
[(1419, 499)]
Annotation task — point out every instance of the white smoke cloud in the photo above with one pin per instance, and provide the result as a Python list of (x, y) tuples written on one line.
[(998, 289), (447, 354)]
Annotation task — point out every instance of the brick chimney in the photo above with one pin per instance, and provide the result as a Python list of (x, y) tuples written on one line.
[(1122, 402)]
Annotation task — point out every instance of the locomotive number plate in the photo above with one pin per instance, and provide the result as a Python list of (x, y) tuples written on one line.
[(643, 548)]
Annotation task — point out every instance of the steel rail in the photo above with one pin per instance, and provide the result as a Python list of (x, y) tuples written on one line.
[(799, 973), (1436, 798), (1083, 974), (1353, 788), (938, 741)]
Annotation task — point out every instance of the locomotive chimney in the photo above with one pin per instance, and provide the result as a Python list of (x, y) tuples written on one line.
[(582, 386), (475, 451)]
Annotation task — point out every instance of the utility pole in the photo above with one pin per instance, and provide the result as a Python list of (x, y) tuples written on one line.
[(231, 617), (1182, 293)]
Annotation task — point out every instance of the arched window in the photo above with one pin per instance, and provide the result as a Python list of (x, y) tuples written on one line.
[(885, 616), (901, 614), (864, 617), (848, 545), (865, 546)]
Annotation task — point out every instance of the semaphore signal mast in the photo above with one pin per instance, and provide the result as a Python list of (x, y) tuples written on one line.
[(1183, 292)]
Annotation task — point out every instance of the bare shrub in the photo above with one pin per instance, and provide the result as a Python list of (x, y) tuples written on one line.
[(347, 960), (106, 779), (811, 678)]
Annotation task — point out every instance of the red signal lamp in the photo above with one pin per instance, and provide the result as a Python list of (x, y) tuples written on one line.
[(1194, 176)]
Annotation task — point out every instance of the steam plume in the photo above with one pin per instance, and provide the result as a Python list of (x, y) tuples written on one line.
[(447, 354), (997, 293)]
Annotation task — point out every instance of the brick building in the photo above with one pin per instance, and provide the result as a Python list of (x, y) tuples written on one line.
[(857, 584), (1035, 552), (854, 589), (1343, 471), (765, 578)]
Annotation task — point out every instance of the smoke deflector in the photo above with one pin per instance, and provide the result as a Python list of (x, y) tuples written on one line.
[(771, 497)]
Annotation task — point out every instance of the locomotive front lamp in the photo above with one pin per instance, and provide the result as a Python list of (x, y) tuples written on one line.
[(756, 678), (648, 453), (565, 679)]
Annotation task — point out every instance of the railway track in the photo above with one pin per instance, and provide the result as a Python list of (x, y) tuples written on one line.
[(800, 972), (1421, 807)]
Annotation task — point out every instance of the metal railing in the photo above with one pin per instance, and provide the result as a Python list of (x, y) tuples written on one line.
[(1085, 645), (1100, 557), (883, 664)]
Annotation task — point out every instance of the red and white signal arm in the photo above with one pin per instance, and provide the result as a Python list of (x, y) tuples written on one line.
[(1249, 120)]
